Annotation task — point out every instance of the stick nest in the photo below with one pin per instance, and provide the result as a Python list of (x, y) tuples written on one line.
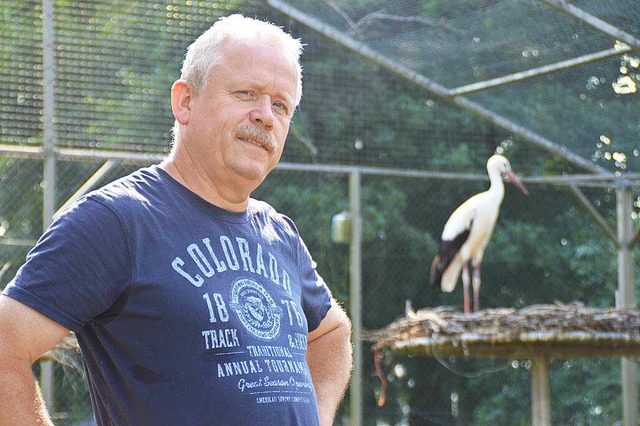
[(556, 330)]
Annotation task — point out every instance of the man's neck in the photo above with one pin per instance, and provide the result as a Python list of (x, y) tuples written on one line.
[(189, 177)]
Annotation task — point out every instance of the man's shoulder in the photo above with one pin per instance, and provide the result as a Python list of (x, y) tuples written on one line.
[(133, 185), (125, 194), (267, 213), (138, 189)]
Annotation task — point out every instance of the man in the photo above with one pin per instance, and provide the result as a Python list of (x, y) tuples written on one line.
[(193, 304)]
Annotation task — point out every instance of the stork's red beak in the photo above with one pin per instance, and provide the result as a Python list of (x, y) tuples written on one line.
[(514, 180)]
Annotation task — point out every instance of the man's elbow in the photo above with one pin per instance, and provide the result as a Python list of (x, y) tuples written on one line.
[(344, 322), (343, 333)]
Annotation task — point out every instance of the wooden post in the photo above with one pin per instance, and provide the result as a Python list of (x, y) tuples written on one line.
[(540, 392)]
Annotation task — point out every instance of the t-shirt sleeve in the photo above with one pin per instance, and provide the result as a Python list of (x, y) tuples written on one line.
[(316, 296), (78, 268)]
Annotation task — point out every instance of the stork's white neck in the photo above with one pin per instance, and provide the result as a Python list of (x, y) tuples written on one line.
[(497, 184)]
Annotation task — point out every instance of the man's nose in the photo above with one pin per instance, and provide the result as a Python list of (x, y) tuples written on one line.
[(262, 114)]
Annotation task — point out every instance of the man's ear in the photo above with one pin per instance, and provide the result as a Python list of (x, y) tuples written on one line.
[(181, 97)]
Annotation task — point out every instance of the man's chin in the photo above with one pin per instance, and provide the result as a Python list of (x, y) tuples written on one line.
[(252, 173)]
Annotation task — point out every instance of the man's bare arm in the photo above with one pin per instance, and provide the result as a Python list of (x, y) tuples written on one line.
[(330, 361), (24, 336)]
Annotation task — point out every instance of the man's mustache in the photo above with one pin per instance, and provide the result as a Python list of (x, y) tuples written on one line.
[(246, 131)]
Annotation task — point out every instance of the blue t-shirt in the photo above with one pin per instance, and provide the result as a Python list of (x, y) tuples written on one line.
[(186, 314)]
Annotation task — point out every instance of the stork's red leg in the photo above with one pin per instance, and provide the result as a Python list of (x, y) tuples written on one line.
[(476, 287), (465, 287)]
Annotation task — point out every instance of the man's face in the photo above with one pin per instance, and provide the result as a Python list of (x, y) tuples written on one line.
[(239, 122)]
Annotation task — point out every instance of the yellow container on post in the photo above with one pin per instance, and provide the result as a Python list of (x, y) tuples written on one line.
[(341, 228)]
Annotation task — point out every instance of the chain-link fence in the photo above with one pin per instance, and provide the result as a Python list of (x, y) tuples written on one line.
[(418, 157)]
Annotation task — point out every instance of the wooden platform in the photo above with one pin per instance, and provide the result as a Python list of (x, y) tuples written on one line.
[(537, 332)]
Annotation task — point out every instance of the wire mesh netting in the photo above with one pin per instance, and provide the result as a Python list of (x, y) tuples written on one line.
[(406, 103), (461, 47), (21, 83)]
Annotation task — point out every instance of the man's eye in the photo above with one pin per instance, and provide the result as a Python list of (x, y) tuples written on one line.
[(281, 106)]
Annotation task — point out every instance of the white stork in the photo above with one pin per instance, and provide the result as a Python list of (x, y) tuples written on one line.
[(467, 233)]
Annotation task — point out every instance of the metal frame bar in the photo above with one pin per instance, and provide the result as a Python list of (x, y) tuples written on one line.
[(435, 88), (355, 303), (536, 72), (89, 184), (626, 299), (593, 21), (76, 154), (4, 269), (17, 242), (49, 164), (584, 201)]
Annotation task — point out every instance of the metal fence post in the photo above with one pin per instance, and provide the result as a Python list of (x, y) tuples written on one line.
[(626, 299), (49, 163), (355, 297)]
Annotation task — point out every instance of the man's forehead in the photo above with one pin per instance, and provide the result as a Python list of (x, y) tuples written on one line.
[(265, 69)]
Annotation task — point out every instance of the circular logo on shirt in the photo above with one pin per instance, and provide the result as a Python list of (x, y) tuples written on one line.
[(256, 309)]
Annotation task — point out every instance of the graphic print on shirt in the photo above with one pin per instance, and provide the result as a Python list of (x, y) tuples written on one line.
[(257, 329), (256, 309)]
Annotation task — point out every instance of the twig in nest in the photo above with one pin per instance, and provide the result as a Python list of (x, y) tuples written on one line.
[(377, 357)]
